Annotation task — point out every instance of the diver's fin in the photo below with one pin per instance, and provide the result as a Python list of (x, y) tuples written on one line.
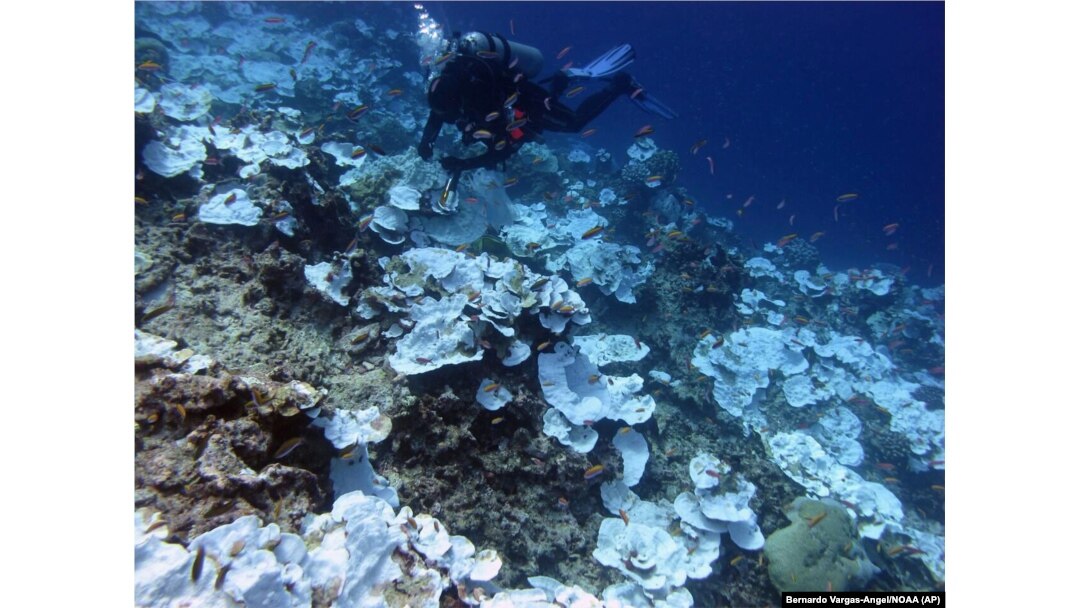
[(651, 104), (615, 60)]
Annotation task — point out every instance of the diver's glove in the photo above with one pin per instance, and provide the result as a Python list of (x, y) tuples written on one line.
[(451, 164), (426, 149)]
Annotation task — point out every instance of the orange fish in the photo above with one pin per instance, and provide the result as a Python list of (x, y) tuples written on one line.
[(563, 52), (784, 240), (643, 131), (843, 198), (273, 20), (699, 144), (575, 91), (393, 92), (588, 132), (748, 202), (591, 232), (816, 236), (889, 229), (594, 471)]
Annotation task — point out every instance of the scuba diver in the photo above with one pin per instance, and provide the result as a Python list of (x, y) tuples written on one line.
[(484, 88)]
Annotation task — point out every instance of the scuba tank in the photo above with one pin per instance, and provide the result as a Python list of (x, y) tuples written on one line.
[(494, 46)]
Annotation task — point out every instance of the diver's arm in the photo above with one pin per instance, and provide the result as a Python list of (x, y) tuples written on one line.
[(426, 148)]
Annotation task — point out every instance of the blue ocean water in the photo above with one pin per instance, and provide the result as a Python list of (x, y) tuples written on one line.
[(818, 99), (823, 121)]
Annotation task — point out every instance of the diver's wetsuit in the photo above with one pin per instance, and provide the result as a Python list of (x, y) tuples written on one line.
[(483, 87)]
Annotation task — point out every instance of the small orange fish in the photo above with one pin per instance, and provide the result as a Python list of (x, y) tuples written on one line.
[(274, 20), (643, 131), (843, 198), (699, 144), (563, 52), (543, 345), (784, 240), (817, 235), (625, 517), (394, 92), (584, 282), (357, 112), (287, 447), (575, 91), (591, 232), (491, 387), (889, 229), (813, 521), (588, 132), (365, 221), (594, 471)]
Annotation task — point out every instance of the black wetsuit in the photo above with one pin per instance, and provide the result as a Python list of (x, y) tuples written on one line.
[(483, 88)]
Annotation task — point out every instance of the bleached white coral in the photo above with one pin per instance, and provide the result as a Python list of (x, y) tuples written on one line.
[(603, 349), (232, 207), (181, 150), (573, 384), (439, 337), (185, 102), (330, 279)]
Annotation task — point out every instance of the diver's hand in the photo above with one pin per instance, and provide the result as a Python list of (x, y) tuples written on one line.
[(426, 150), (451, 164)]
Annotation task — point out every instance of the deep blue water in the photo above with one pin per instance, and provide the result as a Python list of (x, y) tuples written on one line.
[(817, 100)]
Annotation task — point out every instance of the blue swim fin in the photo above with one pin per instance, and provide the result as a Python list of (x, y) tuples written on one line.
[(611, 62), (651, 105)]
